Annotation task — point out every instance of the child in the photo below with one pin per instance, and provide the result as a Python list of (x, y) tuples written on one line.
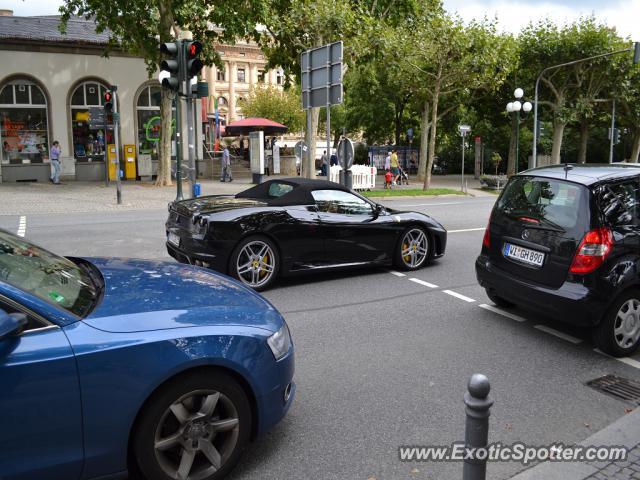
[(388, 178)]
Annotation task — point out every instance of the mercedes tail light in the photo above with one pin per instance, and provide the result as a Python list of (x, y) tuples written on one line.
[(592, 251)]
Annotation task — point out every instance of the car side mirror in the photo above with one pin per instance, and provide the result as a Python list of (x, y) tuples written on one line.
[(11, 324), (378, 210)]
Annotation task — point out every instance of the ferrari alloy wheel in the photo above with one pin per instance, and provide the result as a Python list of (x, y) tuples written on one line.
[(414, 249), (255, 262), (193, 430)]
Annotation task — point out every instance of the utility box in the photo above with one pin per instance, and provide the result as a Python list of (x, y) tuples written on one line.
[(130, 162), (111, 161), (145, 167)]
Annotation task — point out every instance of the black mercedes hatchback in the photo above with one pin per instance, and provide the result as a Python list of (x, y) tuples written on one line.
[(564, 241)]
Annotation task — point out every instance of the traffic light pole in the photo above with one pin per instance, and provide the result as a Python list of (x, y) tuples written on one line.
[(178, 105), (116, 139), (612, 132)]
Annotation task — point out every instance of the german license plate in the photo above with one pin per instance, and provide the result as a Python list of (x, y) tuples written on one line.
[(174, 239), (524, 255)]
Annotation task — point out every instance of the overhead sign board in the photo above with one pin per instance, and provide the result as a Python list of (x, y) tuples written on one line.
[(322, 76)]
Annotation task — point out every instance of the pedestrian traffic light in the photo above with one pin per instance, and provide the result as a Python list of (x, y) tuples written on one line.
[(108, 101), (193, 63), (171, 65)]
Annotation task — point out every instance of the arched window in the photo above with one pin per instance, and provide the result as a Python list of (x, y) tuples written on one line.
[(24, 130), (88, 143), (222, 102), (149, 125)]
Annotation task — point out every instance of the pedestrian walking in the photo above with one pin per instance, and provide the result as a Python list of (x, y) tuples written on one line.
[(324, 161), (334, 160), (395, 167), (226, 166), (55, 163)]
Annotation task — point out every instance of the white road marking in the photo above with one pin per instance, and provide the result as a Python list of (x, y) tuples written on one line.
[(459, 295), (499, 311), (422, 282), (397, 274), (558, 334), (466, 230), (22, 228), (626, 360)]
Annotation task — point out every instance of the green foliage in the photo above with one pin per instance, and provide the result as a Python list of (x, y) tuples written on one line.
[(270, 102)]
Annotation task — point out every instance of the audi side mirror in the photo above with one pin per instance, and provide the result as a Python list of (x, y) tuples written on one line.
[(11, 324)]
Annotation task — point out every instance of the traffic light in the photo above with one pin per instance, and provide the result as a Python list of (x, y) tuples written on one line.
[(193, 62), (636, 53), (616, 136), (108, 101), (172, 65)]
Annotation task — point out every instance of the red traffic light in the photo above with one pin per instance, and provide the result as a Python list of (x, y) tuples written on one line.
[(193, 49), (107, 96)]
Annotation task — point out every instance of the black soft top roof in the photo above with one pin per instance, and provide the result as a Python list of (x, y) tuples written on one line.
[(300, 195)]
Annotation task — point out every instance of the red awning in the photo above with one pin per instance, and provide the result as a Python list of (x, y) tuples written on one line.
[(247, 125)]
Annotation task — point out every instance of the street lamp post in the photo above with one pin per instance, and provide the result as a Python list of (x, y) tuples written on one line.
[(463, 129), (515, 107)]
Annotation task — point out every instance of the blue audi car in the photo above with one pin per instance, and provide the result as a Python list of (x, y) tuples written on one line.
[(109, 366)]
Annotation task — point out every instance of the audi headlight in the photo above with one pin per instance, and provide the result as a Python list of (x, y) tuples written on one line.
[(280, 342)]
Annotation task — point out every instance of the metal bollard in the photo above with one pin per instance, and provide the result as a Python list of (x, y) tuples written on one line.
[(477, 425)]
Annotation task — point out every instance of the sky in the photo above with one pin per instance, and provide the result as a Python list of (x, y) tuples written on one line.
[(512, 14)]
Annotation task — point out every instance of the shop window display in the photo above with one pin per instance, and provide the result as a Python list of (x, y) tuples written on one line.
[(148, 112), (23, 123), (88, 144)]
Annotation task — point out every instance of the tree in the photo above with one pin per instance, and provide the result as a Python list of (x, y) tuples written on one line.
[(449, 61), (568, 92), (629, 101), (140, 26), (293, 26), (270, 102)]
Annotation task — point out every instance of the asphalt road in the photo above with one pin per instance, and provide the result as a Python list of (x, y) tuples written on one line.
[(383, 360)]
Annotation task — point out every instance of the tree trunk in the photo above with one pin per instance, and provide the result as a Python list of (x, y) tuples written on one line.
[(432, 134), (584, 138), (558, 133), (164, 152), (166, 112), (309, 166), (511, 159), (635, 150), (424, 141)]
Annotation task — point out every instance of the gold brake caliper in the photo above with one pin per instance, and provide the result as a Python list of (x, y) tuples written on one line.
[(407, 256), (265, 260)]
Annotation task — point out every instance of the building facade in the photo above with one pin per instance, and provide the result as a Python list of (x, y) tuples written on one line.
[(49, 82)]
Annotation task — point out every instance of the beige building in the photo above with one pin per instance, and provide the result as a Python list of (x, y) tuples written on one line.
[(49, 83), (244, 68)]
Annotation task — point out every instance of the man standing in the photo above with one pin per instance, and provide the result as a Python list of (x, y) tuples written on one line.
[(324, 161), (55, 163), (226, 166)]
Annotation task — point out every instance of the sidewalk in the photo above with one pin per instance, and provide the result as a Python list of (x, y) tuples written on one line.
[(623, 432), (86, 197)]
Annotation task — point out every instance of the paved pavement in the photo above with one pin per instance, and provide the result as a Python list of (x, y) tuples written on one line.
[(383, 357), (77, 197)]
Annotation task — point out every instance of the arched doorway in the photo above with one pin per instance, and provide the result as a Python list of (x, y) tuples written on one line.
[(88, 144)]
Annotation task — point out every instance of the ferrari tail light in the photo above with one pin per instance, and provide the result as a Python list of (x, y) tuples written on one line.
[(592, 251), (486, 240)]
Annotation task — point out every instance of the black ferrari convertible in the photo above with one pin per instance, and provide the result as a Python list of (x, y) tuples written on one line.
[(292, 225)]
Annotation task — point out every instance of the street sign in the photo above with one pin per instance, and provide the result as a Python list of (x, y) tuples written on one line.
[(322, 76), (345, 153), (464, 129), (300, 149)]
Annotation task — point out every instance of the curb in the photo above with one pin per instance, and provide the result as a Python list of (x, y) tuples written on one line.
[(623, 432)]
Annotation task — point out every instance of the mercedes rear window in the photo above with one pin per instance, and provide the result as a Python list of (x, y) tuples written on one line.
[(555, 203)]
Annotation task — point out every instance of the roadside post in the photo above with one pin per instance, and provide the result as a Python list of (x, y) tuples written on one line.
[(116, 138), (345, 157), (476, 433), (321, 86), (463, 129)]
